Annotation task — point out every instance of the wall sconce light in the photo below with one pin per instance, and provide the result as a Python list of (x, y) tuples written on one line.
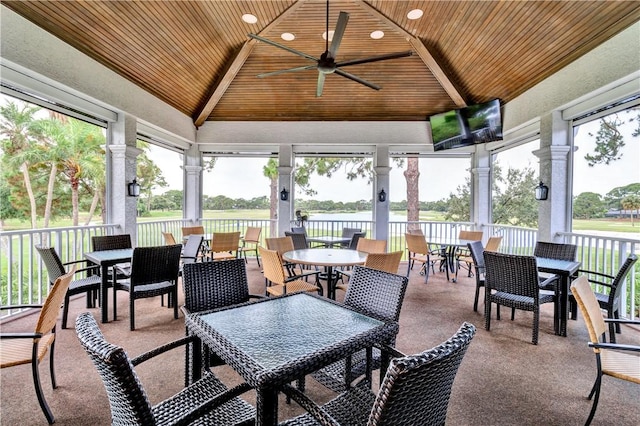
[(382, 196), (133, 189), (542, 192), (284, 194)]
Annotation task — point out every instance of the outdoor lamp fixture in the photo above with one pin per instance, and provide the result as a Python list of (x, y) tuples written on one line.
[(382, 196), (284, 194), (542, 192), (134, 189)]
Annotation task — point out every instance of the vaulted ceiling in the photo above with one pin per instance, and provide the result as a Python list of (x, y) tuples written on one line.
[(197, 55)]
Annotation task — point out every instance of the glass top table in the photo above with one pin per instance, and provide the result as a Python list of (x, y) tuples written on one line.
[(276, 341), (564, 269), (106, 259), (329, 240)]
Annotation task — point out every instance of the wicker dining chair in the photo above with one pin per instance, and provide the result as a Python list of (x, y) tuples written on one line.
[(369, 245), (154, 272), (169, 239), (207, 401), (31, 348), (387, 262), (462, 256), (224, 246), (512, 281), (278, 281), (299, 240), (608, 300), (375, 293), (283, 245), (114, 242), (89, 284), (348, 233), (250, 242), (621, 361), (493, 243), (418, 251), (414, 391)]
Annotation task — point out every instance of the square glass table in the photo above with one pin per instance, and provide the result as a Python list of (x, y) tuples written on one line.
[(106, 259), (565, 269), (275, 341)]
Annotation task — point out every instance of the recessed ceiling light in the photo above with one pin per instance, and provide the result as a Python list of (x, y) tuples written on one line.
[(376, 35), (249, 18), (324, 35), (287, 36), (415, 14)]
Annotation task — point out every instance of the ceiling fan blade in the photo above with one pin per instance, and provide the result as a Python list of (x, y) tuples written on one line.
[(320, 84), (375, 58), (341, 26), (357, 79), (283, 47), (269, 74)]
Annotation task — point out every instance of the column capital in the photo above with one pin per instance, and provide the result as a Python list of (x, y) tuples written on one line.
[(553, 152), (284, 170), (193, 170), (382, 170), (481, 171), (124, 151)]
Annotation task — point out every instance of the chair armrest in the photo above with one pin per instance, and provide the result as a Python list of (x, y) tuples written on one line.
[(597, 274), (164, 348), (316, 411), (20, 335), (212, 403), (298, 276), (548, 281), (19, 307), (615, 346)]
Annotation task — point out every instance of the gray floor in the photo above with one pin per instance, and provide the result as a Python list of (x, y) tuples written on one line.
[(503, 380)]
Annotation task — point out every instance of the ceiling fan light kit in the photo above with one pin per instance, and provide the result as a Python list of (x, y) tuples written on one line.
[(326, 63)]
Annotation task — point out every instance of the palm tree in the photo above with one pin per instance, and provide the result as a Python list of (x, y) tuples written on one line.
[(631, 203)]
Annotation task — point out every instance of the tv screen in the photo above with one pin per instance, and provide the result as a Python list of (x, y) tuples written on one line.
[(474, 124)]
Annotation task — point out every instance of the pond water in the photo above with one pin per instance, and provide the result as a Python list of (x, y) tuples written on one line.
[(362, 216)]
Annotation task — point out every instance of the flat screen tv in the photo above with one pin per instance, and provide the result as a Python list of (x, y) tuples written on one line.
[(474, 124)]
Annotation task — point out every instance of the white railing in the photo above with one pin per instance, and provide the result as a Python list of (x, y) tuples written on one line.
[(23, 277)]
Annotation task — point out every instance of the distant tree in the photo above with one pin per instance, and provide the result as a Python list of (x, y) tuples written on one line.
[(513, 198), (614, 198), (148, 175), (459, 204), (609, 138), (588, 205), (632, 203)]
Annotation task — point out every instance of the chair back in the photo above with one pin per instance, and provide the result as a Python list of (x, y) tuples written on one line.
[(280, 244), (388, 262), (416, 388), (192, 248), (555, 250), (299, 240), (53, 302), (513, 274), (299, 230), (493, 244), (590, 308), (252, 234), (150, 265), (169, 239), (368, 245), (111, 242), (477, 254), (616, 284), (272, 265), (376, 293), (212, 285), (225, 241), (353, 244), (52, 262), (470, 235), (189, 230), (416, 244), (127, 398), (348, 232)]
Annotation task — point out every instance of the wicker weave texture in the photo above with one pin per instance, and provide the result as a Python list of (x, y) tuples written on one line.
[(275, 274), (369, 245), (512, 281), (555, 250), (111, 242), (211, 285)]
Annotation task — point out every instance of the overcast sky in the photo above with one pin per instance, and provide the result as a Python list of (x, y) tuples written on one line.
[(243, 178)]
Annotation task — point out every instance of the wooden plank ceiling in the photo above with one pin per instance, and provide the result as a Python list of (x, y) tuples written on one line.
[(197, 57)]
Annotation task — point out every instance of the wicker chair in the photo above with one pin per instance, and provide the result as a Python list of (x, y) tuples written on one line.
[(415, 391), (609, 301), (369, 245), (278, 283), (30, 348), (418, 251), (207, 401), (250, 242), (283, 245), (348, 233), (90, 284), (224, 246), (114, 242), (476, 251), (212, 285), (189, 230), (387, 262), (463, 256), (154, 272), (512, 281), (374, 293), (621, 361), (554, 251), (493, 244), (299, 240), (191, 250), (355, 238), (169, 239)]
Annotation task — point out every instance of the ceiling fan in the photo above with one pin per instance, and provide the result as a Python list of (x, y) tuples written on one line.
[(327, 64)]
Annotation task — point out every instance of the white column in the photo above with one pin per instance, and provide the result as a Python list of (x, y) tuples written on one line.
[(553, 213), (481, 187), (285, 181), (123, 151), (192, 197), (381, 182)]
